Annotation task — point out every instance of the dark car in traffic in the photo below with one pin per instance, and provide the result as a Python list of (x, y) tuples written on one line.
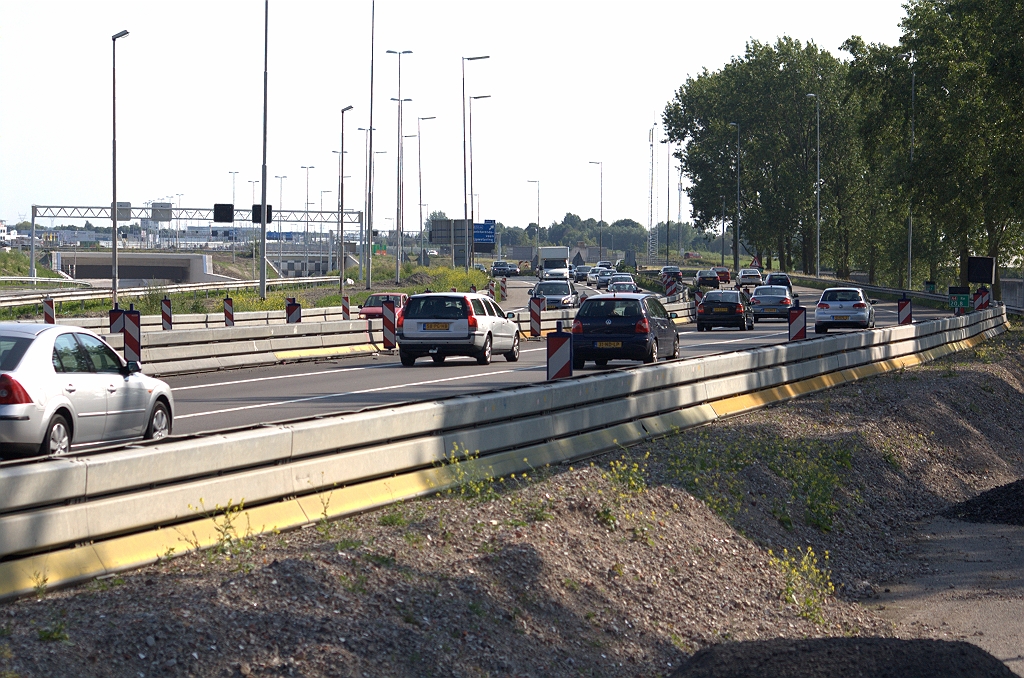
[(771, 301), (779, 279), (623, 327), (725, 308), (580, 274), (707, 279)]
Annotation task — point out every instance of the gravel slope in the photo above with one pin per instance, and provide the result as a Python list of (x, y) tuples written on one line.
[(615, 568)]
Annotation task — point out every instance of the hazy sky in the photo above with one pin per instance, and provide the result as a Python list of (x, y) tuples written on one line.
[(570, 82)]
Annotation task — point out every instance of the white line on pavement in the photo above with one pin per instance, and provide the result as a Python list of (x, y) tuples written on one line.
[(346, 393)]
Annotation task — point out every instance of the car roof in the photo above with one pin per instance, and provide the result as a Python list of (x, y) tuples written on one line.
[(620, 295), (842, 289), (457, 295), (31, 329)]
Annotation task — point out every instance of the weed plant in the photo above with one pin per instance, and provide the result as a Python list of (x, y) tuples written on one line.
[(807, 585)]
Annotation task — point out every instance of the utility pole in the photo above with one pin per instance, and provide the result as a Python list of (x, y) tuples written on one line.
[(736, 229)]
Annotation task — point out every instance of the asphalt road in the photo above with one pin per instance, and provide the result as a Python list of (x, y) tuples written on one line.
[(213, 401)]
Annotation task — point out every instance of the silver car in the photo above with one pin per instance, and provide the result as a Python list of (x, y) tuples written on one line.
[(844, 307), (61, 384), (604, 276), (443, 324), (557, 293)]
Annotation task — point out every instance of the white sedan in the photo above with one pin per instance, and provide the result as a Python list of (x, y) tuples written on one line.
[(749, 276), (61, 384)]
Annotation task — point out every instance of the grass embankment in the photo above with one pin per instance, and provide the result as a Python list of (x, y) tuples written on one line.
[(414, 279), (16, 263)]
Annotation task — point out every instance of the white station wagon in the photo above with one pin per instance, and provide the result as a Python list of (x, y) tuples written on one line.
[(443, 324)]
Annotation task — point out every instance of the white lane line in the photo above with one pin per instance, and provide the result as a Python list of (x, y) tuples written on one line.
[(256, 380), (733, 341), (346, 393)]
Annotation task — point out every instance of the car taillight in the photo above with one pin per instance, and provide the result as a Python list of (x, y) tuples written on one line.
[(754, 300), (11, 392), (823, 306), (739, 308), (643, 326), (700, 308), (860, 304), (400, 319), (577, 327), (786, 301)]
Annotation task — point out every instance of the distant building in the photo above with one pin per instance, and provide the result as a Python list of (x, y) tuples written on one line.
[(3, 233)]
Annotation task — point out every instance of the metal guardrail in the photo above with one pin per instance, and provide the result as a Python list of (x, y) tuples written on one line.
[(365, 456), (29, 298)]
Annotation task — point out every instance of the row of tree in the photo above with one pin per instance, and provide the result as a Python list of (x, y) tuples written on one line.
[(920, 146)]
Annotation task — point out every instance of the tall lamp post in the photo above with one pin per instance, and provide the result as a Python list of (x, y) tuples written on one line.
[(341, 203), (470, 248), (253, 228), (736, 229), (305, 236), (723, 232), (263, 175), (537, 237), (398, 164), (320, 247), (600, 223), (465, 172), (113, 204), (419, 163), (817, 186), (280, 237)]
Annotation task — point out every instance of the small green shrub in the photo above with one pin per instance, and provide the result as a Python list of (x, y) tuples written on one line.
[(807, 585)]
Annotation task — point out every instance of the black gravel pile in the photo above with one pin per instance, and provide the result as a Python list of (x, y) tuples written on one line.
[(831, 657), (1003, 505)]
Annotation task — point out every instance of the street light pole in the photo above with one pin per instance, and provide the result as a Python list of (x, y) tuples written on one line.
[(723, 231), (113, 204), (600, 224), (817, 185), (305, 236), (419, 163), (465, 171), (341, 203), (736, 229), (280, 237), (537, 237), (320, 248), (263, 177), (472, 208), (399, 184)]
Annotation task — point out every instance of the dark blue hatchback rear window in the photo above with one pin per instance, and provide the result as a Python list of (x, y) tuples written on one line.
[(610, 308)]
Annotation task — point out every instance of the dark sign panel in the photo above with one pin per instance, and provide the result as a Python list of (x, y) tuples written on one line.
[(981, 270), (224, 214)]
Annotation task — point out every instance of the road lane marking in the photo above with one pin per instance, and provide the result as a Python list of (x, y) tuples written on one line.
[(256, 380), (359, 392)]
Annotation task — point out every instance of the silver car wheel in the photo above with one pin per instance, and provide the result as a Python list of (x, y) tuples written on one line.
[(60, 440), (159, 425)]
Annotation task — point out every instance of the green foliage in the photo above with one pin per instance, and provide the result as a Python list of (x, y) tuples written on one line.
[(55, 632), (807, 586), (628, 475), (712, 472), (15, 263)]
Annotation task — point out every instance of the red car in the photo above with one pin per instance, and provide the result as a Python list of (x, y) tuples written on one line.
[(373, 307), (723, 273)]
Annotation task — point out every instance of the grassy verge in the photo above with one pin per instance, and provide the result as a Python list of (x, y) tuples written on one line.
[(16, 263)]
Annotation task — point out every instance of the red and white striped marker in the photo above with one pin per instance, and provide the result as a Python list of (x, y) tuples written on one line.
[(389, 325), (976, 300), (490, 288), (166, 319), (671, 287), (454, 290), (559, 354), (132, 335), (346, 313), (504, 289), (698, 296), (229, 312), (904, 312), (292, 311), (797, 323), (49, 317), (536, 306), (472, 288), (986, 298), (116, 317)]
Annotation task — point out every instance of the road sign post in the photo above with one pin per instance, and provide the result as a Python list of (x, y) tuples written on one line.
[(797, 323), (346, 313), (559, 353), (166, 318), (292, 311), (904, 312), (390, 341), (116, 320), (536, 306), (49, 316), (229, 312), (132, 335)]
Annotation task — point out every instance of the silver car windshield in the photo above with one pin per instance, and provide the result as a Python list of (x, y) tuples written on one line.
[(444, 308), (552, 289)]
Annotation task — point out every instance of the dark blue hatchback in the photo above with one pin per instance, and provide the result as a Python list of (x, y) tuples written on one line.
[(623, 327)]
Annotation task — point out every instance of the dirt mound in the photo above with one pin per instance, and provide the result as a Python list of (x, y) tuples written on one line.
[(827, 657), (419, 278), (1003, 505)]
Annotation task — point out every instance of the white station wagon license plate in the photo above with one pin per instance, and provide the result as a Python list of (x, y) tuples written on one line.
[(428, 327)]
